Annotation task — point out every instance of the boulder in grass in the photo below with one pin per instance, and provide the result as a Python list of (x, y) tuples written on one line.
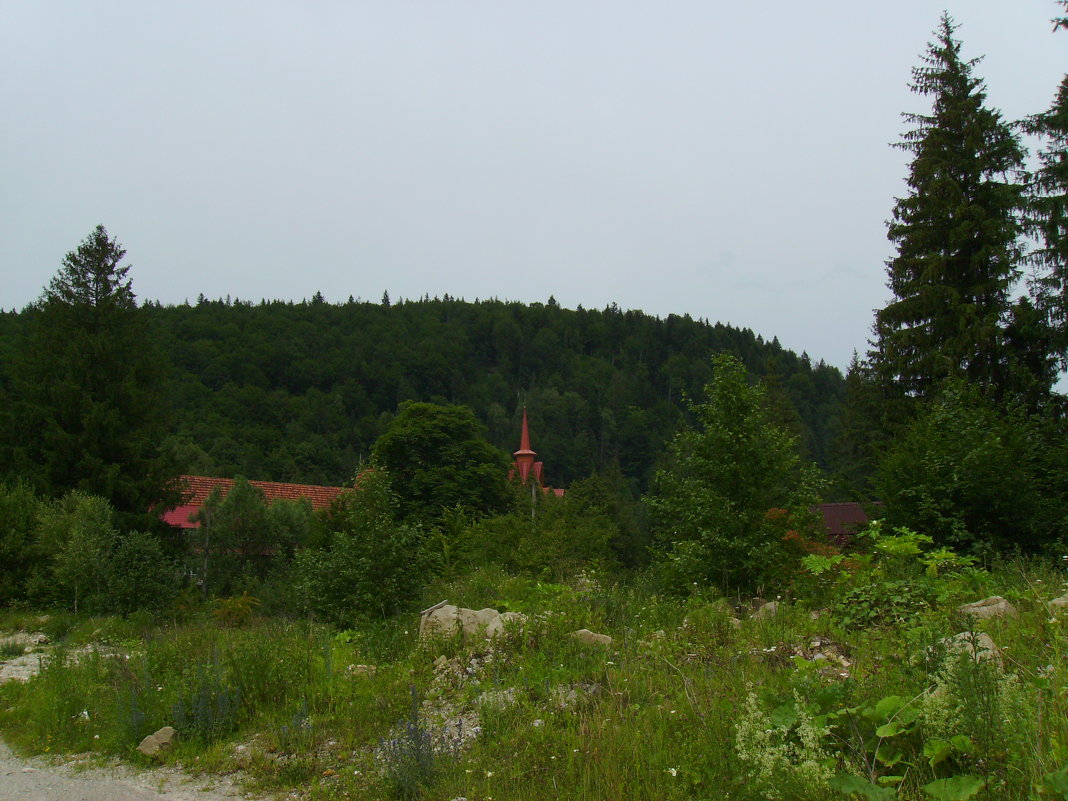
[(994, 606), (770, 609), (156, 742), (978, 646), (1059, 603), (445, 619), (591, 637)]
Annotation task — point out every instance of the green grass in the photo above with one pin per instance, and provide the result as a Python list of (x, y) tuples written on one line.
[(656, 715)]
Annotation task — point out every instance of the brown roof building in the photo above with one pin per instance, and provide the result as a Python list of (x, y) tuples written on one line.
[(196, 489)]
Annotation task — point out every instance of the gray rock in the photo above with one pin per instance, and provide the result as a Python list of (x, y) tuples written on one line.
[(591, 638), (1059, 603), (770, 609), (156, 742), (994, 606), (979, 646), (445, 620)]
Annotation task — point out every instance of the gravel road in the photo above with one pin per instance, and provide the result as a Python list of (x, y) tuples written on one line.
[(38, 779)]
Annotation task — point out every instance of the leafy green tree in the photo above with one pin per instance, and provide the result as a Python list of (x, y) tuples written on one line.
[(967, 472), (371, 566), (19, 507), (91, 411), (1048, 193), (710, 502), (242, 539), (140, 575), (76, 535), (957, 235), (548, 536), (437, 458)]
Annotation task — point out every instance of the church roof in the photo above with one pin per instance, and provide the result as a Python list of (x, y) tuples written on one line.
[(196, 489)]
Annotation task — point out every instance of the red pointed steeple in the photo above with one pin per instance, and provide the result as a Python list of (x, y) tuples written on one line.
[(524, 439), (525, 466), (524, 457)]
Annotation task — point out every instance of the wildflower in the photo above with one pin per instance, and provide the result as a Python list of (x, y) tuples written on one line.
[(673, 771), (489, 774)]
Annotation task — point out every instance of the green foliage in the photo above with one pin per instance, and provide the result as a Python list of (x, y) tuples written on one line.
[(710, 503), (969, 474), (373, 565), (409, 760), (957, 236), (90, 408), (140, 575), (1048, 195), (438, 459), (235, 611), (855, 786), (955, 788), (901, 577), (300, 391), (19, 506), (547, 536), (76, 535), (241, 539), (685, 704)]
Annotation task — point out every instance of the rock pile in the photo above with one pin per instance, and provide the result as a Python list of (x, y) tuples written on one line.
[(445, 620)]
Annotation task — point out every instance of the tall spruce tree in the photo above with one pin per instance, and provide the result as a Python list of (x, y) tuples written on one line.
[(1048, 194), (90, 408), (957, 235)]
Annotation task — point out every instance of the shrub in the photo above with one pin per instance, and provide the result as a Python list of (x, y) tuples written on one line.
[(372, 566), (710, 501)]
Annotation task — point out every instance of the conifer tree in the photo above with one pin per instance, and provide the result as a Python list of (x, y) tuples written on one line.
[(1048, 194), (957, 235), (91, 413)]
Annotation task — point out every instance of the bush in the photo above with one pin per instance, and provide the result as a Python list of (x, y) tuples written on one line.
[(546, 536), (140, 575), (971, 475), (710, 502), (372, 566)]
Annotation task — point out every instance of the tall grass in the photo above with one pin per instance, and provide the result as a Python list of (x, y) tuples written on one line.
[(661, 713)]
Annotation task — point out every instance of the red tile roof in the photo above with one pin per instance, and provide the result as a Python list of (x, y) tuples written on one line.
[(196, 489)]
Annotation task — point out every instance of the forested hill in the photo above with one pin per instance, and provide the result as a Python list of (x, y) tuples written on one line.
[(299, 391)]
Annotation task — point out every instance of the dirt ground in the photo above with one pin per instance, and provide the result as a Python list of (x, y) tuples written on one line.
[(69, 779), (72, 779)]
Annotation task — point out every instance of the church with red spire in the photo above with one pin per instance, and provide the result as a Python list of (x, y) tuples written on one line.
[(525, 467)]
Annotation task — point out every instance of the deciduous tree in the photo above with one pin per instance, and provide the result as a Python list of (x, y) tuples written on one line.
[(438, 458), (710, 502)]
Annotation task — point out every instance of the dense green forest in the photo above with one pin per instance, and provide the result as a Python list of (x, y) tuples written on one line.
[(299, 392), (693, 448)]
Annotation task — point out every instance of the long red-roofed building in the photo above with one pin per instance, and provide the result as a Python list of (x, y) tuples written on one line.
[(196, 489)]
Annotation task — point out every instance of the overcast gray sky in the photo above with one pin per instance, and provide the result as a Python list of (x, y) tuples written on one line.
[(726, 160)]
